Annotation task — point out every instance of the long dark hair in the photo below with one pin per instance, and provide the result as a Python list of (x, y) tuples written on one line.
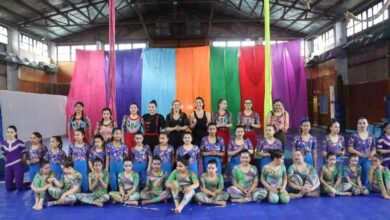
[(215, 125), (219, 102), (248, 99), (82, 111), (38, 135), (113, 131), (99, 136), (59, 140), (13, 127), (201, 99), (109, 110), (304, 120), (180, 112), (332, 122)]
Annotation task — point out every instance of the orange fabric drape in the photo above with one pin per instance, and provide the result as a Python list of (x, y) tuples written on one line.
[(193, 77)]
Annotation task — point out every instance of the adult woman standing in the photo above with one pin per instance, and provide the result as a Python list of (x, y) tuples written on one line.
[(176, 124), (199, 119), (153, 123), (281, 119)]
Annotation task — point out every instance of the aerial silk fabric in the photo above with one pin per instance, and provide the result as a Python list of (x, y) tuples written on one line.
[(111, 98), (88, 85), (288, 75), (158, 78), (268, 78), (193, 76), (252, 79), (225, 81), (128, 80)]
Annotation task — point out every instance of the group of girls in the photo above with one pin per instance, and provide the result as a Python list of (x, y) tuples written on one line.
[(148, 163)]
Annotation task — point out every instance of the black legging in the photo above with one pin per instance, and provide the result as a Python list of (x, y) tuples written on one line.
[(282, 137)]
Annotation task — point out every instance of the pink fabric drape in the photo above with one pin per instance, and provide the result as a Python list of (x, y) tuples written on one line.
[(111, 99), (88, 85)]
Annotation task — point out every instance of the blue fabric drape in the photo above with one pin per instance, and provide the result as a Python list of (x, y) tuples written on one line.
[(158, 78)]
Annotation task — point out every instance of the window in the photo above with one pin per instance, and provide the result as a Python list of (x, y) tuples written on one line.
[(63, 53), (36, 47), (125, 46), (323, 42), (90, 47), (355, 27), (3, 35), (233, 43), (219, 43), (139, 45), (107, 47), (73, 51)]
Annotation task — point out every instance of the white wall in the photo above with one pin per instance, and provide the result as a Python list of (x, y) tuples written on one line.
[(31, 112)]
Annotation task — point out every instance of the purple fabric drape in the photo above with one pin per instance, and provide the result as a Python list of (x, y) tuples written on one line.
[(289, 80), (128, 81)]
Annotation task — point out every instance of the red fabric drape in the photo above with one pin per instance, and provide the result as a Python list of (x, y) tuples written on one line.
[(88, 85), (252, 76), (111, 99)]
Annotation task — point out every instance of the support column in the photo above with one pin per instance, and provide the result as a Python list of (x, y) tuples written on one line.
[(13, 69)]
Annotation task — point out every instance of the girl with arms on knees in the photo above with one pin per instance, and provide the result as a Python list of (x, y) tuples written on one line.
[(131, 124), (182, 181), (265, 146), (153, 123), (334, 143), (281, 119), (176, 124), (155, 190), (64, 191), (363, 144), (274, 178), (223, 119), (383, 144), (189, 149), (128, 185), (306, 142), (14, 152), (211, 186), (330, 178), (78, 120), (40, 184), (250, 120), (352, 177), (236, 145), (379, 177), (35, 153), (302, 178), (79, 152), (116, 151), (165, 152), (55, 155), (105, 125), (245, 181), (98, 184), (212, 148), (199, 119), (142, 157), (98, 152)]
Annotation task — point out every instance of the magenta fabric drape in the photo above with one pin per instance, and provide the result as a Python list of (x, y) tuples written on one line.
[(88, 85)]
